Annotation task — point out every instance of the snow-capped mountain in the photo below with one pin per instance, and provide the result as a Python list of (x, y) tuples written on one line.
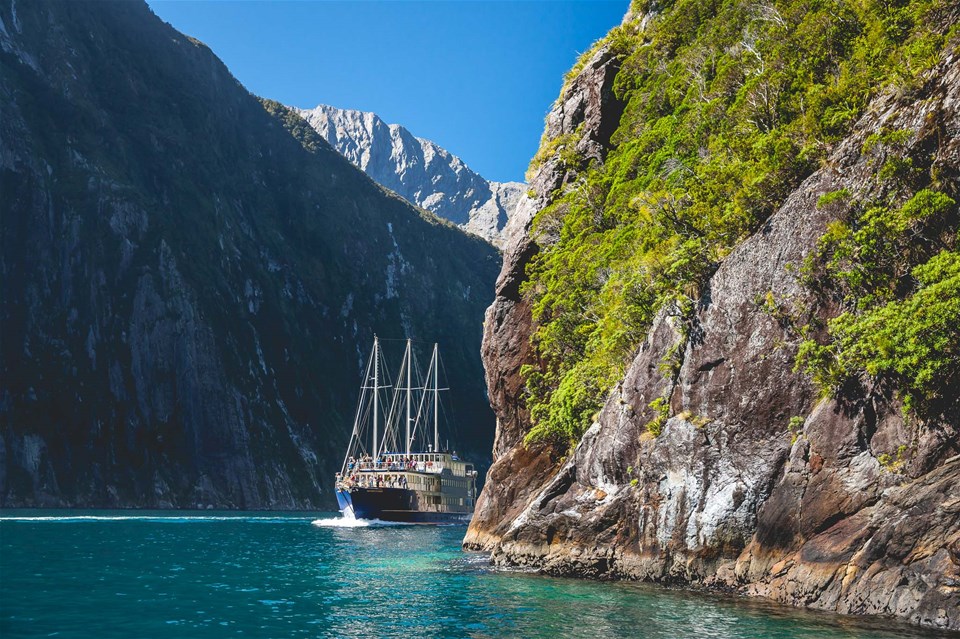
[(418, 170)]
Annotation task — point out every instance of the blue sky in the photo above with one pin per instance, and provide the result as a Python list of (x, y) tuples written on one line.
[(475, 76)]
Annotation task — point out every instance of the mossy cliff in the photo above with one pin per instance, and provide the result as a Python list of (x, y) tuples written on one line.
[(724, 348)]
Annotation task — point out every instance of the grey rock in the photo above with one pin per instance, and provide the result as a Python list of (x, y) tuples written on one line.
[(518, 470), (418, 170)]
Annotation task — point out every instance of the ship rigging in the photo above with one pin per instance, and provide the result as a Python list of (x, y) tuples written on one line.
[(397, 469)]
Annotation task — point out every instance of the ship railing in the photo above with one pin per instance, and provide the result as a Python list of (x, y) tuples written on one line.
[(372, 481), (397, 466)]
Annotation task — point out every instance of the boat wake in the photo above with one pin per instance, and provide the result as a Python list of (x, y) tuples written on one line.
[(347, 522), (150, 518)]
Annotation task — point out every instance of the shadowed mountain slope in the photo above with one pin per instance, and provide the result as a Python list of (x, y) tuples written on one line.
[(190, 278)]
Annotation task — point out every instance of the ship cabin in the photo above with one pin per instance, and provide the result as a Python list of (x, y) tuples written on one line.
[(443, 481)]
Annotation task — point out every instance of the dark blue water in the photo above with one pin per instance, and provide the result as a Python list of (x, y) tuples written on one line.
[(134, 574)]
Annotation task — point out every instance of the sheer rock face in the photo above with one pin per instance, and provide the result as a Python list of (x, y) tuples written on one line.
[(726, 496), (519, 472), (190, 281), (419, 170)]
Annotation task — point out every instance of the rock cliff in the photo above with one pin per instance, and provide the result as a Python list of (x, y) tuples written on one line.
[(726, 496), (418, 170), (191, 278)]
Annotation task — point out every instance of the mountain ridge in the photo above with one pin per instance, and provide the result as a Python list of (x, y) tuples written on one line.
[(419, 170)]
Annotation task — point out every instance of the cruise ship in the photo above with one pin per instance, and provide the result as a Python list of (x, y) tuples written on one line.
[(395, 468)]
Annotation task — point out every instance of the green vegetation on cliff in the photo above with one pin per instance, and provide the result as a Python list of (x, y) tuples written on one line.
[(729, 106), (895, 272)]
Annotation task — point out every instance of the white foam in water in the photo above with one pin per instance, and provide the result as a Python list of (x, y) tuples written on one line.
[(335, 522), (350, 522), (150, 518)]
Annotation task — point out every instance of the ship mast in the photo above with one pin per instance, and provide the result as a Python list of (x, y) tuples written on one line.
[(436, 398), (407, 433), (376, 392), (355, 436)]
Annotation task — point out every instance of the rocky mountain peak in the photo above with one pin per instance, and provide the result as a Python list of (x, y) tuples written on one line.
[(418, 170)]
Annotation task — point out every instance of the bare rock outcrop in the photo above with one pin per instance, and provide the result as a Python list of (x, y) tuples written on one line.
[(519, 471)]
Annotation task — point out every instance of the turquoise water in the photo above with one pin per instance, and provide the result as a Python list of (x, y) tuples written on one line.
[(135, 574)]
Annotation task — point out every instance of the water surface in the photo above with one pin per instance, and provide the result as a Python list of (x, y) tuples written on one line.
[(161, 574)]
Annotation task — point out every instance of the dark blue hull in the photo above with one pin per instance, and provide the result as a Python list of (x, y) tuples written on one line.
[(394, 504)]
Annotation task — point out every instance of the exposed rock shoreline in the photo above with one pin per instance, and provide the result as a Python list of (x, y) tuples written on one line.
[(726, 497)]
